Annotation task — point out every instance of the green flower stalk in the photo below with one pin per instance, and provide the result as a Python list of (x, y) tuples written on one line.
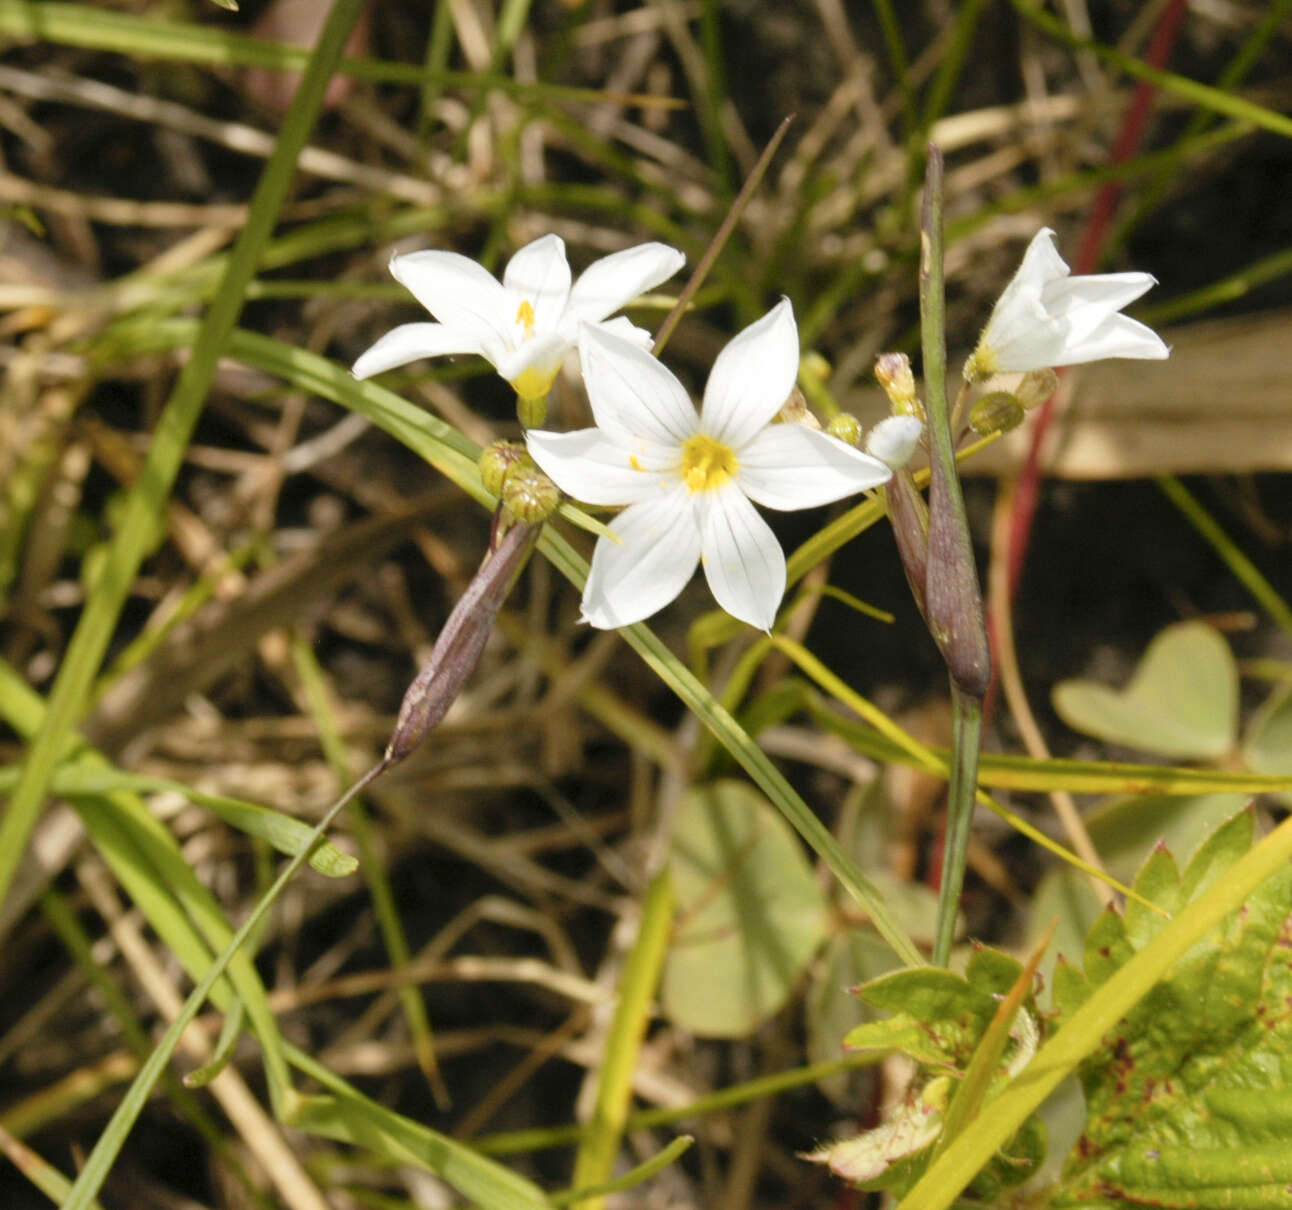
[(952, 596)]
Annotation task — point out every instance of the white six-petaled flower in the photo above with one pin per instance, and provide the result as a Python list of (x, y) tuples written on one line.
[(524, 325), (688, 479), (1047, 318)]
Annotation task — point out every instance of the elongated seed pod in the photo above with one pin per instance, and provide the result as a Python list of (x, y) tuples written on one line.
[(457, 650)]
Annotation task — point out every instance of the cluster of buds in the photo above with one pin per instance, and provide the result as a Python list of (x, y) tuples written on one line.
[(892, 440), (526, 494)]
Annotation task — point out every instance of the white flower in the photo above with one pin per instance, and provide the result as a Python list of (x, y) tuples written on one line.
[(1048, 318), (688, 480), (525, 325), (893, 439)]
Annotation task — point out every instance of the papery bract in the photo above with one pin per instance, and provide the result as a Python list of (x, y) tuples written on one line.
[(688, 479)]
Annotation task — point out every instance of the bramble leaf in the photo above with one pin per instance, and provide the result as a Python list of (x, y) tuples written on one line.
[(1189, 1100), (938, 1019)]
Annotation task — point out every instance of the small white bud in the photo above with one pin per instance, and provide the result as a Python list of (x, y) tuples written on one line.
[(893, 440)]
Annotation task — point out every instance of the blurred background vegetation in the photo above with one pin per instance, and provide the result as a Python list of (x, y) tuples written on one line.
[(297, 570)]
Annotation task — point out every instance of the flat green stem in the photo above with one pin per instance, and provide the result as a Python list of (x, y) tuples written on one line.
[(953, 598), (595, 1159), (966, 732)]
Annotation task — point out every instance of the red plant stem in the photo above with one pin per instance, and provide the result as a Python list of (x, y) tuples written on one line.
[(1096, 234)]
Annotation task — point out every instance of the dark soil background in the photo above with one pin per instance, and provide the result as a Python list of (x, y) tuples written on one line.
[(1110, 563)]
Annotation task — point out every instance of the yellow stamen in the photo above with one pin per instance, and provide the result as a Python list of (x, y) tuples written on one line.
[(707, 464), (525, 315), (632, 461)]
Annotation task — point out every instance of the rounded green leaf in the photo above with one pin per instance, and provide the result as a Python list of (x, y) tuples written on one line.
[(1181, 702), (1269, 742), (750, 912)]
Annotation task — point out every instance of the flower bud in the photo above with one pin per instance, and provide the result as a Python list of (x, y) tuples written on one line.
[(893, 440), (528, 495), (497, 461), (846, 428), (893, 370), (531, 412), (995, 413), (1035, 388)]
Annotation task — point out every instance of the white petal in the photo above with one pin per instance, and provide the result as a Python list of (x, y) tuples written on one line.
[(625, 329), (615, 280), (585, 465), (539, 274), (893, 439), (788, 466), (455, 289), (1047, 318), (743, 561), (1041, 262), (1116, 336), (659, 551), (1101, 291), (531, 367), (633, 397), (752, 377), (411, 342)]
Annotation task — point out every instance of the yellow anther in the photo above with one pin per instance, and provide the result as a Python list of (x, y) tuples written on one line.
[(525, 315), (707, 464)]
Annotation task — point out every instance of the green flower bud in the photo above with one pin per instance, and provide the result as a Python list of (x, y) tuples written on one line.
[(497, 461), (995, 413), (1036, 387), (845, 427), (531, 412), (528, 495)]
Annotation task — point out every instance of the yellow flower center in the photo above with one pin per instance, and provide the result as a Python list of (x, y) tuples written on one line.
[(525, 316), (707, 464)]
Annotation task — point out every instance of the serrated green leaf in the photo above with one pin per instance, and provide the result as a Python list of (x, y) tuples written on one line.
[(992, 971), (1071, 988), (1124, 830), (1182, 700), (905, 1036), (1092, 1034), (943, 1021), (750, 912), (1216, 854), (1066, 898), (1189, 1098), (1159, 882)]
